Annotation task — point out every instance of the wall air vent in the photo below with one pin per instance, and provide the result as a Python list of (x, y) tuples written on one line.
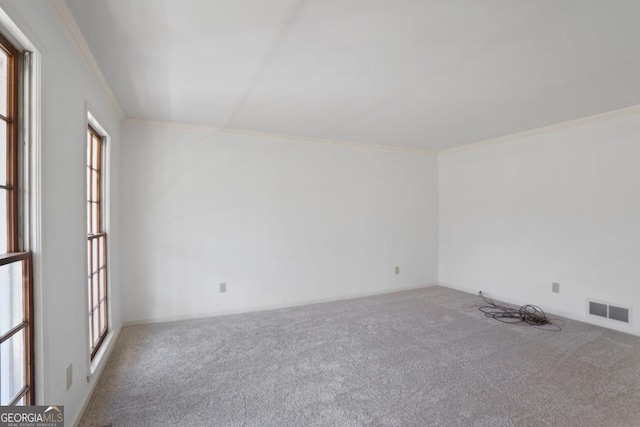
[(598, 309), (608, 311)]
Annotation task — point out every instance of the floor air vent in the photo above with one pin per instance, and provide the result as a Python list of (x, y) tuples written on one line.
[(621, 314)]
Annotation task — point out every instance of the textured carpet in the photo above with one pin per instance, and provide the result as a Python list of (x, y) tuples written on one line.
[(415, 358)]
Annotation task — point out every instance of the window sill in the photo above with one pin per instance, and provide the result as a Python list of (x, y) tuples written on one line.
[(102, 353)]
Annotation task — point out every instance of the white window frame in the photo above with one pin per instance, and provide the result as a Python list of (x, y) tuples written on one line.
[(94, 122)]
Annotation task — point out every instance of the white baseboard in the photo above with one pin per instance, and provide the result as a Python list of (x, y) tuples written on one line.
[(255, 309)]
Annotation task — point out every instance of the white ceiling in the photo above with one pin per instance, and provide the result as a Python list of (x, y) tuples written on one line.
[(431, 74)]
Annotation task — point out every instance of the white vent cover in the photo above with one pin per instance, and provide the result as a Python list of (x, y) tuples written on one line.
[(610, 311)]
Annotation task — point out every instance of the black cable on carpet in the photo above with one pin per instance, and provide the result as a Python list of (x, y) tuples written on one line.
[(529, 314)]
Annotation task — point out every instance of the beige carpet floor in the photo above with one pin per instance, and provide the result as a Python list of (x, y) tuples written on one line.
[(418, 358)]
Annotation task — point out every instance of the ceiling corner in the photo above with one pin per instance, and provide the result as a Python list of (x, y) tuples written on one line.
[(68, 23), (596, 118)]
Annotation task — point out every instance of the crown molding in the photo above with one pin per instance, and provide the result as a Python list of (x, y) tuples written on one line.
[(275, 136), (546, 129), (472, 146), (68, 23)]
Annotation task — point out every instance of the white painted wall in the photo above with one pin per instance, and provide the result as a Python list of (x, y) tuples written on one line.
[(285, 222), (557, 207), (280, 222), (61, 301)]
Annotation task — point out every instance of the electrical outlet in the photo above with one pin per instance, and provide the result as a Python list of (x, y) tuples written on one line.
[(397, 269), (223, 288), (69, 376), (555, 287)]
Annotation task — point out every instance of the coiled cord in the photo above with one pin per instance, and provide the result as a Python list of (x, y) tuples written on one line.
[(528, 314)]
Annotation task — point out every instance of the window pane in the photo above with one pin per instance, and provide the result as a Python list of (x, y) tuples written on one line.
[(88, 149), (96, 150), (101, 322), (95, 285), (3, 220), (89, 266), (94, 196), (104, 316), (101, 247), (3, 152), (96, 332), (12, 367), (95, 218), (11, 298), (90, 295), (4, 64), (98, 317), (89, 195), (91, 339), (100, 285), (94, 249), (88, 218)]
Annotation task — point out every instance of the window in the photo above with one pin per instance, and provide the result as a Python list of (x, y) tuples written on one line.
[(96, 242), (16, 291)]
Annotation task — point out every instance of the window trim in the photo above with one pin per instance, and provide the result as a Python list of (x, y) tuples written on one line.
[(15, 247), (103, 305), (12, 122)]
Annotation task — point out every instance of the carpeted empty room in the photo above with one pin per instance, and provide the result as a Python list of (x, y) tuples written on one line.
[(320, 212), (414, 358)]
